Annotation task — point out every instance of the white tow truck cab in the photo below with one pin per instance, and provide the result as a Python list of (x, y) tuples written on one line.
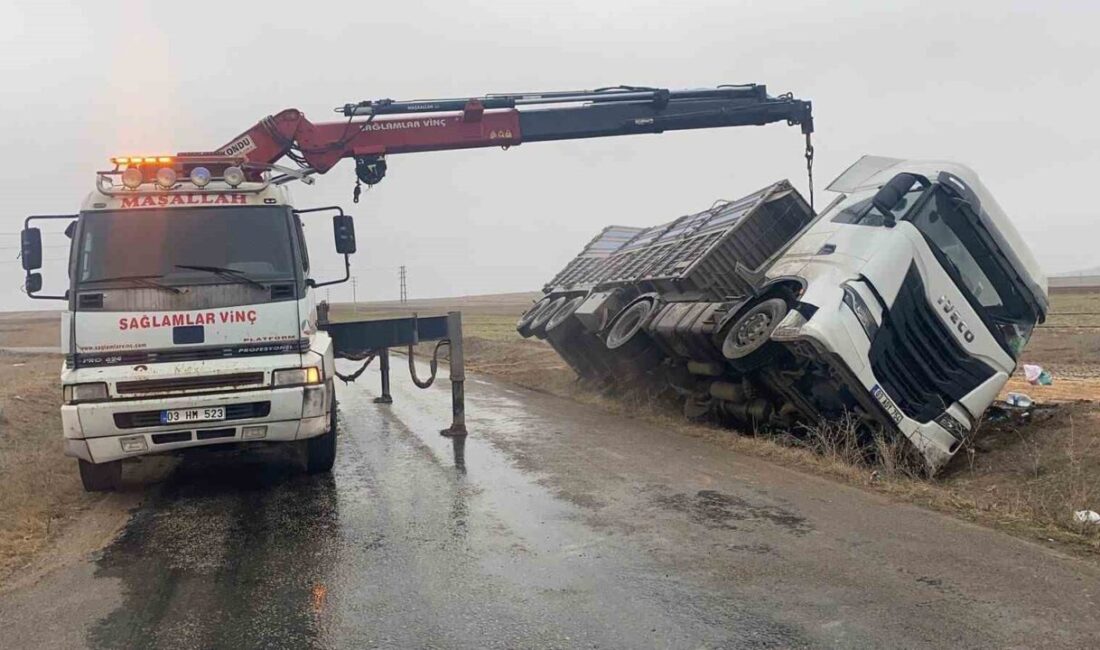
[(917, 296), (190, 318)]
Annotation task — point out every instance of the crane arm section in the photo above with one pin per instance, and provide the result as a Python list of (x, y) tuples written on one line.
[(375, 129)]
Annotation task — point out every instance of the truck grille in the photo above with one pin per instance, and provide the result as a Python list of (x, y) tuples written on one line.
[(200, 382), (136, 419), (916, 358)]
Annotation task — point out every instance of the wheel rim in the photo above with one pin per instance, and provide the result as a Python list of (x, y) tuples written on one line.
[(544, 316), (753, 329), (533, 313), (628, 324), (563, 313)]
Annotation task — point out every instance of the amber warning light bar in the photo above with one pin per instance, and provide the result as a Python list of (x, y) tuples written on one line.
[(165, 171)]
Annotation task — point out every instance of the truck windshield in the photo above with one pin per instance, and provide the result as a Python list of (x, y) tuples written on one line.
[(180, 246), (971, 259)]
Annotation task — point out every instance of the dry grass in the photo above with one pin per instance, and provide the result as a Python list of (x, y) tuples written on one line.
[(30, 329), (1035, 471), (41, 489), (1067, 342)]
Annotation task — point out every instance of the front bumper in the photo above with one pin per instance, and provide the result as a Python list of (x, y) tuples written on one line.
[(838, 339), (92, 431)]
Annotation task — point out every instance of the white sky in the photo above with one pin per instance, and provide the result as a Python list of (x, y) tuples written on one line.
[(1008, 87)]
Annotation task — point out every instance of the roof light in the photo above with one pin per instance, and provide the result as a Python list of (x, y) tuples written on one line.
[(132, 178), (200, 176), (121, 160), (164, 160), (233, 176), (166, 177), (150, 160)]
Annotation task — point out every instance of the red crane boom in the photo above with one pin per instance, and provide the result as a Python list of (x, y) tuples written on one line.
[(392, 127)]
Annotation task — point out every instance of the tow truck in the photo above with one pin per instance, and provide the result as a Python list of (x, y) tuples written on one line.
[(191, 317)]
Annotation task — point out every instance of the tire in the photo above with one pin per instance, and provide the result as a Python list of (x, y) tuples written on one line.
[(628, 323), (321, 450), (746, 342), (100, 477), (538, 323)]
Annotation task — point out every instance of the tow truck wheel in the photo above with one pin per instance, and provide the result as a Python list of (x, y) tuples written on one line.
[(100, 477), (745, 344), (321, 451)]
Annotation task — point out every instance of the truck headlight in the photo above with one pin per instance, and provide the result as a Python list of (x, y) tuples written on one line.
[(296, 376), (91, 392), (859, 308)]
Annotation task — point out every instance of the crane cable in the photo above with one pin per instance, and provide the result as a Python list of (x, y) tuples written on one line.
[(810, 168)]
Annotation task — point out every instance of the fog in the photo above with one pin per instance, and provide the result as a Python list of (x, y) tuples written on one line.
[(1010, 88)]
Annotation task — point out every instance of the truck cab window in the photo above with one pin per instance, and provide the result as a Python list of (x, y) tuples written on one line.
[(252, 241), (972, 262), (864, 213), (301, 233)]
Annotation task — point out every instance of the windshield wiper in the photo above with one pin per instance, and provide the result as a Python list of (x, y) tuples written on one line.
[(229, 274), (140, 280)]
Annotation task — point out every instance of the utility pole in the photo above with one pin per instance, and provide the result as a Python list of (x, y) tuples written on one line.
[(404, 288), (354, 291)]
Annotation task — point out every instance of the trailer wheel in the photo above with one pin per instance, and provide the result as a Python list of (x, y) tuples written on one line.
[(321, 450), (745, 344), (523, 325), (628, 323), (100, 477)]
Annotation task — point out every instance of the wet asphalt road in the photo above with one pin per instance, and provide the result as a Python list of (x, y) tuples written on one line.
[(553, 526)]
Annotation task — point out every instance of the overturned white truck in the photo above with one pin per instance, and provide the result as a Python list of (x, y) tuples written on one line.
[(905, 305)]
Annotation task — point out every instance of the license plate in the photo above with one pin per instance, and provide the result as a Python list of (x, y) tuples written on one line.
[(180, 416)]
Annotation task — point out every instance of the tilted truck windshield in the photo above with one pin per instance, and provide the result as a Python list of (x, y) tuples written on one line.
[(972, 262), (253, 243)]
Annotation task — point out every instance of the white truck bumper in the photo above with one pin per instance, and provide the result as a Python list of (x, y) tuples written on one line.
[(837, 332), (95, 432)]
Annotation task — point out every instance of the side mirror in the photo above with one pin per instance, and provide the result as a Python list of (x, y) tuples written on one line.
[(33, 283), (343, 229), (31, 248), (889, 195)]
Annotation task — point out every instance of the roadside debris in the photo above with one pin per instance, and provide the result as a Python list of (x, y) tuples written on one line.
[(1087, 517), (1019, 400), (1036, 376)]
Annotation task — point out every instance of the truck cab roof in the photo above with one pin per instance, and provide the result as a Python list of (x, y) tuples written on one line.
[(871, 172)]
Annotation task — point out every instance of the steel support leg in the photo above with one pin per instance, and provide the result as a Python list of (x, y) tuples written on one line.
[(384, 370), (458, 376)]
